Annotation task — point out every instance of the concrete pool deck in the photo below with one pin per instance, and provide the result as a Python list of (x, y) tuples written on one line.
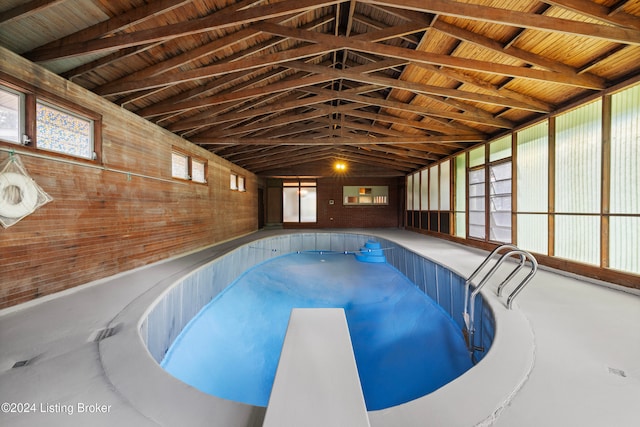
[(587, 347)]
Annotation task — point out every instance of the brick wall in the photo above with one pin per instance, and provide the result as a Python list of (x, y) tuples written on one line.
[(339, 216), (120, 213)]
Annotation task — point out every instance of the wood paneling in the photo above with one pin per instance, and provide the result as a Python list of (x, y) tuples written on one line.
[(121, 214)]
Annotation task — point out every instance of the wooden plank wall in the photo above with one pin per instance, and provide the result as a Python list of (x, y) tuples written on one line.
[(122, 214)]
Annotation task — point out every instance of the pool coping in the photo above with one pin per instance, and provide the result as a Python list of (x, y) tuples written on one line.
[(165, 400)]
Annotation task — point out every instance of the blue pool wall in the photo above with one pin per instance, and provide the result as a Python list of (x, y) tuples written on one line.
[(165, 319)]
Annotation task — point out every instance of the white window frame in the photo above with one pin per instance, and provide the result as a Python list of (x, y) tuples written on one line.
[(21, 137)]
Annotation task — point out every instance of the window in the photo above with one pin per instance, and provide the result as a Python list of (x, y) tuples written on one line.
[(11, 123), (40, 123), (460, 195), (356, 195), (495, 177), (533, 188), (578, 183), (299, 201), (188, 168), (179, 165), (241, 186), (198, 171), (500, 202), (624, 224), (410, 193), (233, 181), (63, 132), (476, 204)]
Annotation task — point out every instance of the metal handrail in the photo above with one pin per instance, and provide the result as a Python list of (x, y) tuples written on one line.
[(469, 302)]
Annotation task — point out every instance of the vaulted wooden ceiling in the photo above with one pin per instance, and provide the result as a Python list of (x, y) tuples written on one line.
[(287, 87)]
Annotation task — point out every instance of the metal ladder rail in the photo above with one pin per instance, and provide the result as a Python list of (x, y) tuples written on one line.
[(469, 312), (467, 283), (523, 283)]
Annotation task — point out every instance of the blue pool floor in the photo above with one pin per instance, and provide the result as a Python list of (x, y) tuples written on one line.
[(405, 345)]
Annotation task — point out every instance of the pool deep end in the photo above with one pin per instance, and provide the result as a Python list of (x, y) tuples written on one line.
[(405, 345)]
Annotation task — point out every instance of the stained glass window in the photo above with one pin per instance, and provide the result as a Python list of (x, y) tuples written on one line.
[(63, 132)]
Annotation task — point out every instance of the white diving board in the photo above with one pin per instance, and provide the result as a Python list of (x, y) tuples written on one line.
[(317, 382)]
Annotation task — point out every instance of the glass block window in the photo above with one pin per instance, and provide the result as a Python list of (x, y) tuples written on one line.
[(11, 115), (63, 132), (179, 165), (198, 171)]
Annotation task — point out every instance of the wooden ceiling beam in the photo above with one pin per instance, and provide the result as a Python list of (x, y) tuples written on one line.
[(117, 23), (242, 112), (212, 48), (597, 11), (388, 159), (415, 87), (279, 120), (354, 155), (431, 58), (225, 18), (391, 119), (27, 9), (508, 50), (516, 19), (360, 140), (130, 85), (239, 95), (289, 131), (465, 117), (249, 113), (213, 70)]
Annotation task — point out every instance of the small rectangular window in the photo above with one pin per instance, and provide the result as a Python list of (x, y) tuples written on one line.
[(355, 195), (233, 181), (63, 132), (179, 165), (198, 171), (241, 186), (11, 115)]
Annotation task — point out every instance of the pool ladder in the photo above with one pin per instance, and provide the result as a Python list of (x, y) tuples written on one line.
[(469, 302)]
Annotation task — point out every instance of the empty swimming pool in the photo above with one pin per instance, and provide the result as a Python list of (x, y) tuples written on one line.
[(405, 344)]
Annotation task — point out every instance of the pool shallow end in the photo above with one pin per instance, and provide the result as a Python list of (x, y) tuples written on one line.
[(473, 399)]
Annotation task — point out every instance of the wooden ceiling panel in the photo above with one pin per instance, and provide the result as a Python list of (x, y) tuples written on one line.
[(284, 87)]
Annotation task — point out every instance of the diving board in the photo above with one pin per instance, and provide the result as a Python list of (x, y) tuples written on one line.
[(317, 383)]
